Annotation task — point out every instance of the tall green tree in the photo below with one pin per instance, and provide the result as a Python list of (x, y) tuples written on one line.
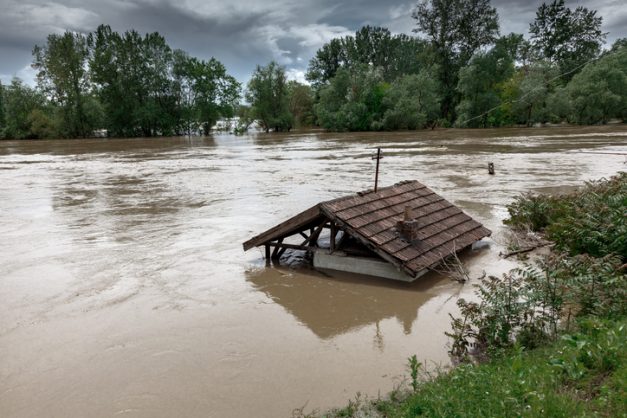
[(62, 75), (301, 103), (535, 84), (482, 81), (395, 55), (599, 92), (2, 118), (412, 102), (268, 95), (328, 60), (206, 91), (353, 100), (27, 112), (133, 78), (456, 29), (569, 38)]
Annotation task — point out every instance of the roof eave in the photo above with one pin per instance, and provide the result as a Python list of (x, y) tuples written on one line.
[(292, 224)]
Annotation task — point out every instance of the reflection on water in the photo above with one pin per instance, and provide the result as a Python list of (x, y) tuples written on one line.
[(125, 290), (330, 306)]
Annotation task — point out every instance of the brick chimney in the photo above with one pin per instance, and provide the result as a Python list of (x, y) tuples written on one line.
[(408, 227)]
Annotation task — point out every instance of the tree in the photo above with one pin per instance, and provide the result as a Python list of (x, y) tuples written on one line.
[(328, 60), (301, 102), (599, 92), (395, 55), (482, 81), (412, 102), (268, 96), (456, 29), (533, 91), (62, 74), (566, 37), (27, 113), (206, 92), (353, 100), (133, 78), (2, 118)]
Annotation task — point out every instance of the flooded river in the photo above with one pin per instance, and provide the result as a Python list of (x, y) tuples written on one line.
[(125, 291)]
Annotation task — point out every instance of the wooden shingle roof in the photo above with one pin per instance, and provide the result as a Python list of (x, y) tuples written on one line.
[(372, 218)]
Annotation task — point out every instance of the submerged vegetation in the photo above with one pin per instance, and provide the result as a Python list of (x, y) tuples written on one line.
[(458, 71), (547, 339)]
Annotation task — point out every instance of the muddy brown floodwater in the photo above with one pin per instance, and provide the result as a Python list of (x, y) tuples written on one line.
[(125, 292)]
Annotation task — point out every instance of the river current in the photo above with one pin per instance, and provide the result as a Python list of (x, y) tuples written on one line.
[(125, 291)]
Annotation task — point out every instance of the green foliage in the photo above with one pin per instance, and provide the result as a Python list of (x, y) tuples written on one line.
[(456, 30), (268, 94), (527, 305), (412, 102), (534, 89), (62, 75), (148, 89), (41, 124), (513, 82), (204, 90), (599, 92), (395, 55), (414, 367), (581, 375), (589, 221), (301, 103), (24, 106), (353, 100), (2, 111), (481, 84), (360, 100), (131, 73), (566, 37)]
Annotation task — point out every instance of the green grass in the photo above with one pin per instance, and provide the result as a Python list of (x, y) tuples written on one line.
[(581, 375)]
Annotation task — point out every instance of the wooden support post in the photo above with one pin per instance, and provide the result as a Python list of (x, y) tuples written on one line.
[(339, 244), (313, 238), (332, 237), (267, 254), (275, 253)]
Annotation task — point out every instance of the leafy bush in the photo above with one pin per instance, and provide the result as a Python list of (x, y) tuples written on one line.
[(590, 221), (527, 306)]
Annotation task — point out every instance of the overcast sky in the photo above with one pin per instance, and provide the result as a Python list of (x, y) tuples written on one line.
[(240, 33)]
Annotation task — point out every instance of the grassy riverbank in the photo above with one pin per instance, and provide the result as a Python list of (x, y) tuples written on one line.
[(552, 335), (582, 374)]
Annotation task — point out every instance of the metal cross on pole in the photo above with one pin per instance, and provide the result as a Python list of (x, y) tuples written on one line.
[(376, 175)]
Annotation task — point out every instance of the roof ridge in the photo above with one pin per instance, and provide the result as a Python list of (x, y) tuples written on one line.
[(367, 192)]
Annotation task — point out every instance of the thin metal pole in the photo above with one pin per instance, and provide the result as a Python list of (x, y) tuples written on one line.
[(376, 175)]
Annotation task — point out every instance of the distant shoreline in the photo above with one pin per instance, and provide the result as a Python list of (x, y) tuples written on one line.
[(614, 123)]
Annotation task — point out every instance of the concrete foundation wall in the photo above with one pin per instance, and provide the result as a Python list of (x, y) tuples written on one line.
[(359, 265)]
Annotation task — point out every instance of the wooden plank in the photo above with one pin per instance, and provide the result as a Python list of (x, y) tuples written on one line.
[(291, 225), (292, 246)]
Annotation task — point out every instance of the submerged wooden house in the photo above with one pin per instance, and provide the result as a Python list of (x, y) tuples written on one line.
[(398, 232)]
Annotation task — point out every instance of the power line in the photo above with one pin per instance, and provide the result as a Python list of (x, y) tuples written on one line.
[(531, 91)]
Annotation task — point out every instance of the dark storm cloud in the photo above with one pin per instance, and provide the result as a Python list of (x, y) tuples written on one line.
[(240, 33)]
